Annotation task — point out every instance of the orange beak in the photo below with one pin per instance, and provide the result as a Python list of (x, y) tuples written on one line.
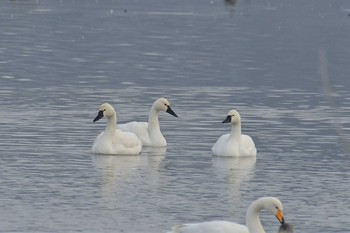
[(279, 216)]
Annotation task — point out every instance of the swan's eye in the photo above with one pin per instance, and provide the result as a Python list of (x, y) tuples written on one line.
[(276, 207), (104, 110)]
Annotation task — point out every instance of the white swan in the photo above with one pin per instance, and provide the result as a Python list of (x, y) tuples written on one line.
[(113, 141), (235, 143), (149, 132), (271, 204)]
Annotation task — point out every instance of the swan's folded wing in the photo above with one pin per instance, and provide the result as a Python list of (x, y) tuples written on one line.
[(128, 139), (220, 145), (138, 128), (248, 145)]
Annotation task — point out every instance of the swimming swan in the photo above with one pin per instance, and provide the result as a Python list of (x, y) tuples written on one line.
[(113, 141), (235, 143), (271, 204), (149, 132)]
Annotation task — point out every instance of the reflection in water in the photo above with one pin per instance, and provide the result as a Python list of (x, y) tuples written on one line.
[(236, 170), (154, 151), (153, 157), (114, 171), (119, 172), (231, 2), (129, 188), (330, 96)]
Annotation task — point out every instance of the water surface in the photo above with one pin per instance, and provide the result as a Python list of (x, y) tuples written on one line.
[(59, 60)]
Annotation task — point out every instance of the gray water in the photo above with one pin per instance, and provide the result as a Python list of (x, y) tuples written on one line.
[(59, 60)]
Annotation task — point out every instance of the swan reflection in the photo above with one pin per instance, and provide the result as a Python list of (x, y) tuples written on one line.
[(116, 172), (237, 168), (236, 171), (122, 175)]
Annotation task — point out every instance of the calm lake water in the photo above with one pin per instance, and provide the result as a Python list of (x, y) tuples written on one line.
[(284, 65)]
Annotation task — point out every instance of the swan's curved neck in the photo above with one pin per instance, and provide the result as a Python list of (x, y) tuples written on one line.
[(236, 131), (253, 217), (111, 124), (153, 121)]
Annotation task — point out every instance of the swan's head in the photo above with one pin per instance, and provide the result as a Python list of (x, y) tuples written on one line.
[(163, 104), (275, 207), (105, 110), (233, 117)]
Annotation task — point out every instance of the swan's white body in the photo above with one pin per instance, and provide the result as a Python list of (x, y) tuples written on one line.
[(271, 204), (149, 132), (234, 144), (210, 227), (113, 141)]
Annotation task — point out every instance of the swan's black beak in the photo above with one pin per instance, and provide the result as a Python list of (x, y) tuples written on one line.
[(99, 116), (280, 217), (171, 112), (227, 120)]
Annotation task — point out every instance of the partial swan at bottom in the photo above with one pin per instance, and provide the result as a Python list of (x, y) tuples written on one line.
[(271, 204)]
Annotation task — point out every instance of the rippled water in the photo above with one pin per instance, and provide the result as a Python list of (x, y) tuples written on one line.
[(59, 60)]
